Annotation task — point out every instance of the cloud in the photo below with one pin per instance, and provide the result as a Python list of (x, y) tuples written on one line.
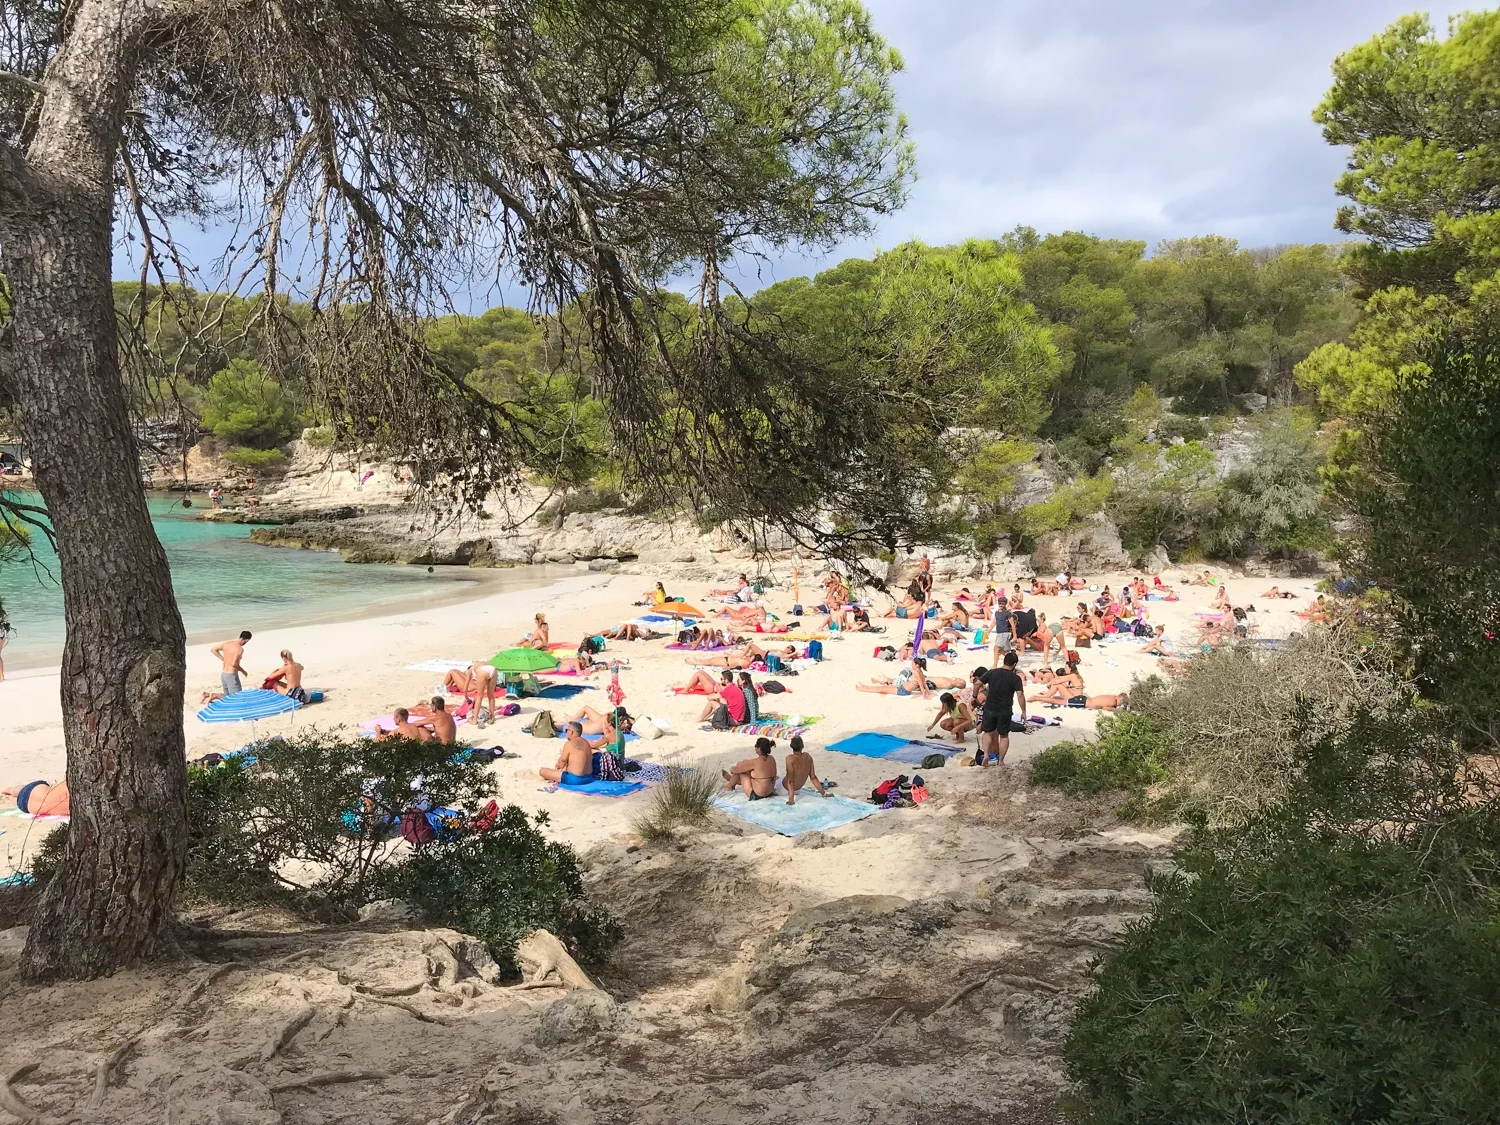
[(1150, 120)]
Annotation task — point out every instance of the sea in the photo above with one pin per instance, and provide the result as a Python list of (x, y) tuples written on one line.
[(225, 583)]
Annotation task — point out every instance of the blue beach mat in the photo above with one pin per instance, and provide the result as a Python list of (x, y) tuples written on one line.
[(894, 748), (811, 813), (598, 788), (631, 737), (563, 691)]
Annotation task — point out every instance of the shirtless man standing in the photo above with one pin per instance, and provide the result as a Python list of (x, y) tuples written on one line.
[(799, 771), (757, 775), (575, 765), (231, 653)]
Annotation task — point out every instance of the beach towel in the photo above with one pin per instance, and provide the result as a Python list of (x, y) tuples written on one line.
[(563, 691), (598, 788), (388, 722), (894, 748), (763, 728), (631, 737), (696, 689), (440, 666), (712, 648), (811, 813)]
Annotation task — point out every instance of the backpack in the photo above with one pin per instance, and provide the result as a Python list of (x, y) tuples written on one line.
[(416, 829), (773, 687), (934, 762), (1142, 629), (815, 650), (542, 726), (720, 719)]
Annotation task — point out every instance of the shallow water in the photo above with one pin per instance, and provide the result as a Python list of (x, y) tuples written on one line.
[(225, 583)]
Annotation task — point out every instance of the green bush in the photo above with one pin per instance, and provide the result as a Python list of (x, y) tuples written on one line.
[(242, 405), (255, 459), (312, 824), (318, 437), (1127, 754), (501, 884), (1334, 960)]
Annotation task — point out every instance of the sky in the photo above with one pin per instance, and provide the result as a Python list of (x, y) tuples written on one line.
[(1149, 119)]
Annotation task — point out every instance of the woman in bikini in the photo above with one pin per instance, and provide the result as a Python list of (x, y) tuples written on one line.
[(755, 776), (954, 716), (752, 653)]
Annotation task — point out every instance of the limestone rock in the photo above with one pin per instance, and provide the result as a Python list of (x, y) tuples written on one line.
[(842, 910), (387, 910), (1088, 549), (576, 1016)]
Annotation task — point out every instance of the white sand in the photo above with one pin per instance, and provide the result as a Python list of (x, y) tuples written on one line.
[(362, 667)]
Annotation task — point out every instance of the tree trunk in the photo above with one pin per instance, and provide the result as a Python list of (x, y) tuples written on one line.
[(123, 662)]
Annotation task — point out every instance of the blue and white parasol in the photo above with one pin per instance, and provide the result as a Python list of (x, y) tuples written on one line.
[(247, 707)]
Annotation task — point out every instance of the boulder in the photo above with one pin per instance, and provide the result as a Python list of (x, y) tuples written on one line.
[(1089, 548), (576, 1016)]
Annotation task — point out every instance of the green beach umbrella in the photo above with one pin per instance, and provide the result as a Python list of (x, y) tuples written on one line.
[(523, 660)]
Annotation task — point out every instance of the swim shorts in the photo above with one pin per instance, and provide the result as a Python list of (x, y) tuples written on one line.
[(576, 779), (23, 796), (901, 689), (993, 722), (1077, 700), (298, 693), (230, 682), (900, 611)]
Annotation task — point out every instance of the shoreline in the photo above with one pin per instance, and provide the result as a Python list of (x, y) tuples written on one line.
[(466, 584)]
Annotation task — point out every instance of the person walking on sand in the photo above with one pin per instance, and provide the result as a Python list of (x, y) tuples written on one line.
[(1002, 686), (800, 771), (230, 653)]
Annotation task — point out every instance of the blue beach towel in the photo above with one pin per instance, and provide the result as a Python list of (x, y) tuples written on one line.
[(597, 788), (563, 691), (631, 737), (893, 748), (811, 813)]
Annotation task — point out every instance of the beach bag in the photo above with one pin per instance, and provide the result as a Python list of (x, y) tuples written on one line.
[(416, 829), (797, 610), (542, 726), (773, 687), (720, 719), (773, 662), (1085, 641), (815, 650), (934, 762), (607, 767), (1142, 629)]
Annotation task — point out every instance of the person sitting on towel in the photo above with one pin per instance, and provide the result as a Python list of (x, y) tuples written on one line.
[(599, 726), (630, 632), (434, 716), (575, 765), (752, 700), (539, 637), (957, 617), (287, 678), (757, 775), (800, 771), (404, 727), (732, 696), (37, 798)]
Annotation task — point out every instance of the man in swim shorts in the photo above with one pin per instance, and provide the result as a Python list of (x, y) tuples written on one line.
[(575, 765), (230, 653), (444, 729)]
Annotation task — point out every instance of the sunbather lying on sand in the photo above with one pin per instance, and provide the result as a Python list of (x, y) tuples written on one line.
[(575, 765), (757, 775), (599, 723), (1046, 588), (580, 663), (704, 637), (1273, 592), (752, 653), (800, 771), (37, 798), (1318, 611), (911, 680), (954, 716), (630, 632)]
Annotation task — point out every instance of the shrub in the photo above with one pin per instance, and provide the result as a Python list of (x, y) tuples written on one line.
[(501, 884), (312, 824), (1067, 506), (318, 437), (313, 819), (242, 405), (686, 797), (1127, 754), (1332, 960), (260, 460)]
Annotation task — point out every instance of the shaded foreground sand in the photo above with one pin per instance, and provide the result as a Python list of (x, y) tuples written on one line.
[(916, 966)]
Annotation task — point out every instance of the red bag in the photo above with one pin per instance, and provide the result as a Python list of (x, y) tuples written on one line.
[(416, 829)]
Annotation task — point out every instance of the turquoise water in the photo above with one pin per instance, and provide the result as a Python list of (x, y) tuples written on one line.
[(224, 582)]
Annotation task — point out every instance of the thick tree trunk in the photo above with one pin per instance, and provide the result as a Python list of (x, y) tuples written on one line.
[(123, 663)]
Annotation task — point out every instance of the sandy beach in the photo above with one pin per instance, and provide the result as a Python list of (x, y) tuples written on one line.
[(362, 666)]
